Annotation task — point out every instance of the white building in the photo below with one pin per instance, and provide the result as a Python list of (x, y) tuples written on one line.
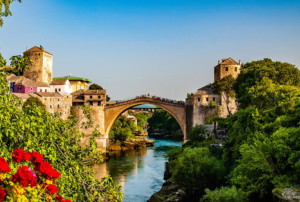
[(61, 86)]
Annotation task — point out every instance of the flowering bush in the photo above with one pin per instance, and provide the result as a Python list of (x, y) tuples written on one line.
[(27, 184)]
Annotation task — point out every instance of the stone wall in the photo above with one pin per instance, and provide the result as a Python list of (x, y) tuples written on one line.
[(59, 104), (97, 115)]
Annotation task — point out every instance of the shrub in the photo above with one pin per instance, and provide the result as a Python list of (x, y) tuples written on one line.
[(224, 194)]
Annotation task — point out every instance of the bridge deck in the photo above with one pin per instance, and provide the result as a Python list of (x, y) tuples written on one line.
[(147, 100)]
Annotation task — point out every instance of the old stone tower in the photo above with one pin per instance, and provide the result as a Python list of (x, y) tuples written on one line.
[(41, 69), (205, 104), (226, 67)]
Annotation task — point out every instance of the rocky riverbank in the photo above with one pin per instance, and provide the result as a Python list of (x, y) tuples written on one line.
[(130, 144), (169, 191), (140, 141), (166, 135)]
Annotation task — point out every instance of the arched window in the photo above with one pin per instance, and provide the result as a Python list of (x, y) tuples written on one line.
[(57, 106)]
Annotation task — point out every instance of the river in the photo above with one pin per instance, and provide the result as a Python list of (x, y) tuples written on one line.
[(140, 172)]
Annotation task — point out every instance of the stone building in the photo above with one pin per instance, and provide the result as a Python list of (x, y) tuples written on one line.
[(91, 97), (96, 100), (226, 67), (55, 102), (205, 103), (41, 69)]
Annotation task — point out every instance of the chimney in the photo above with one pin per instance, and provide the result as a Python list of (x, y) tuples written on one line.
[(218, 62), (240, 62), (41, 47)]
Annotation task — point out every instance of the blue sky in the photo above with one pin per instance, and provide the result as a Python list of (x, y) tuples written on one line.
[(161, 47)]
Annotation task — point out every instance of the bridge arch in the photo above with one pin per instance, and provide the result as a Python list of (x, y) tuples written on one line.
[(111, 112)]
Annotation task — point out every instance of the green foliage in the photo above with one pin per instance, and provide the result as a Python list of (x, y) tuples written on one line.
[(95, 86), (122, 129), (142, 119), (107, 98), (198, 168), (263, 72), (189, 96), (34, 129), (2, 61), (162, 120), (224, 87), (197, 133), (224, 194), (6, 12), (212, 104), (20, 63), (34, 102)]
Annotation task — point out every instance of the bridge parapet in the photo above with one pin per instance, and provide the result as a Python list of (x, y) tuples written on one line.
[(149, 100)]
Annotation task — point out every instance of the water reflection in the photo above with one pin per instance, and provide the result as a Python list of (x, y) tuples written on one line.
[(140, 172)]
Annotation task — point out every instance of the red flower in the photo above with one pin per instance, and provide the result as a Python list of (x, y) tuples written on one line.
[(46, 170), (2, 194), (20, 155), (36, 157), (52, 189), (4, 166), (59, 198), (25, 177)]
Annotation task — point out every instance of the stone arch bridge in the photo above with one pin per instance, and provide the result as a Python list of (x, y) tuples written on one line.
[(112, 111), (104, 117)]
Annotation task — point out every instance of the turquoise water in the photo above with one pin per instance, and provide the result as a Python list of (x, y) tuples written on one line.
[(140, 172)]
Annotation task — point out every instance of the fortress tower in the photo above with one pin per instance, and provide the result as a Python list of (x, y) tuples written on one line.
[(226, 67), (41, 69)]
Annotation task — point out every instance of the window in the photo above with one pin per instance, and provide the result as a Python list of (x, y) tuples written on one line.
[(19, 87), (236, 69), (67, 96), (55, 89), (91, 103), (227, 69), (207, 99), (45, 99), (99, 103), (57, 99), (59, 90), (214, 99), (99, 96), (41, 90), (50, 99), (57, 106), (30, 88), (198, 99), (91, 96), (50, 106), (45, 90)]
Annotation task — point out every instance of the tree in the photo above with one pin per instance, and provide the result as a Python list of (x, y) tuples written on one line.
[(58, 141), (6, 12), (224, 87), (95, 86), (2, 61), (189, 96), (224, 194), (34, 102), (197, 168), (107, 98), (262, 73), (197, 133), (20, 63)]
